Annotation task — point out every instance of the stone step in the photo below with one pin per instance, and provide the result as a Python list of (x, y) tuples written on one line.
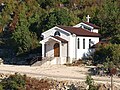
[(43, 61)]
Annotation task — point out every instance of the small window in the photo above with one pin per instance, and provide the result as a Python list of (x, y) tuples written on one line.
[(57, 33), (89, 43), (78, 43), (83, 43)]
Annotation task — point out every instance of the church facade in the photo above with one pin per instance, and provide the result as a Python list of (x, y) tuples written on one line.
[(65, 44)]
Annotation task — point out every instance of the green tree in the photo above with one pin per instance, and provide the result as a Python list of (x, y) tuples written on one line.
[(57, 16), (18, 25), (115, 39), (46, 3), (108, 54), (23, 39), (109, 18)]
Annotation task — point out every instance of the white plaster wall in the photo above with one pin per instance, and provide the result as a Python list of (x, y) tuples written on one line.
[(64, 50), (56, 60), (52, 62), (81, 51), (95, 30), (80, 24), (63, 60), (72, 48), (48, 33), (65, 35)]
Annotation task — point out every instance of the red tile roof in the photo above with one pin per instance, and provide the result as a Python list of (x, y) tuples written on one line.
[(93, 25), (60, 39), (79, 31)]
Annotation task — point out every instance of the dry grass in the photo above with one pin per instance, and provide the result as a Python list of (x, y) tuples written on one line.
[(75, 63), (34, 84)]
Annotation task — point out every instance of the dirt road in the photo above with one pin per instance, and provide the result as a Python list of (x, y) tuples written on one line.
[(59, 72)]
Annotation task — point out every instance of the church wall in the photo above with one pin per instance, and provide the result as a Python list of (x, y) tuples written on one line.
[(64, 36), (73, 52), (95, 30), (72, 48), (51, 32), (83, 52), (82, 25), (47, 33), (56, 60), (64, 50)]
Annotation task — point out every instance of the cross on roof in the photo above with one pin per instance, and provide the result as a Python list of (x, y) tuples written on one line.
[(88, 18)]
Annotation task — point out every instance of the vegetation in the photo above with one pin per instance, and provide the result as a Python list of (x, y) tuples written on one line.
[(108, 54), (14, 82), (58, 16), (90, 82), (23, 21), (21, 82), (75, 63)]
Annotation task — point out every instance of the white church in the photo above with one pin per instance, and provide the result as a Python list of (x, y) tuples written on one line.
[(65, 44)]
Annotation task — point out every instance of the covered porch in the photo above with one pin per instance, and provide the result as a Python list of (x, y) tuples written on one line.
[(54, 50)]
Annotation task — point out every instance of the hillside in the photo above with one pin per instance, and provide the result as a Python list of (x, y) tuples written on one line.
[(23, 21)]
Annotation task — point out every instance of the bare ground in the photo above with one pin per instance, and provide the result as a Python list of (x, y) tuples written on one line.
[(58, 72)]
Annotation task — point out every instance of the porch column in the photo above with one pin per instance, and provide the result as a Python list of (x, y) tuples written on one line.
[(60, 49), (43, 49), (60, 53), (67, 59)]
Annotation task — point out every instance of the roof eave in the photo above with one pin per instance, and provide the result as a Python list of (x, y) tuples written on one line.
[(88, 36)]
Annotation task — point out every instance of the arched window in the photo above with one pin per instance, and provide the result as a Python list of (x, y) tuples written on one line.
[(57, 33), (78, 43)]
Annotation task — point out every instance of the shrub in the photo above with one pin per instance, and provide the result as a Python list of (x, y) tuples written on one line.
[(14, 82), (1, 87), (107, 53), (89, 81), (21, 82)]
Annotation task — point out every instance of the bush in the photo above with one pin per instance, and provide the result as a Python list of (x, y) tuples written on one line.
[(89, 81), (14, 82), (21, 82), (107, 53), (72, 87), (1, 87)]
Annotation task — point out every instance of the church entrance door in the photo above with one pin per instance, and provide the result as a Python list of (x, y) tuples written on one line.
[(56, 50)]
